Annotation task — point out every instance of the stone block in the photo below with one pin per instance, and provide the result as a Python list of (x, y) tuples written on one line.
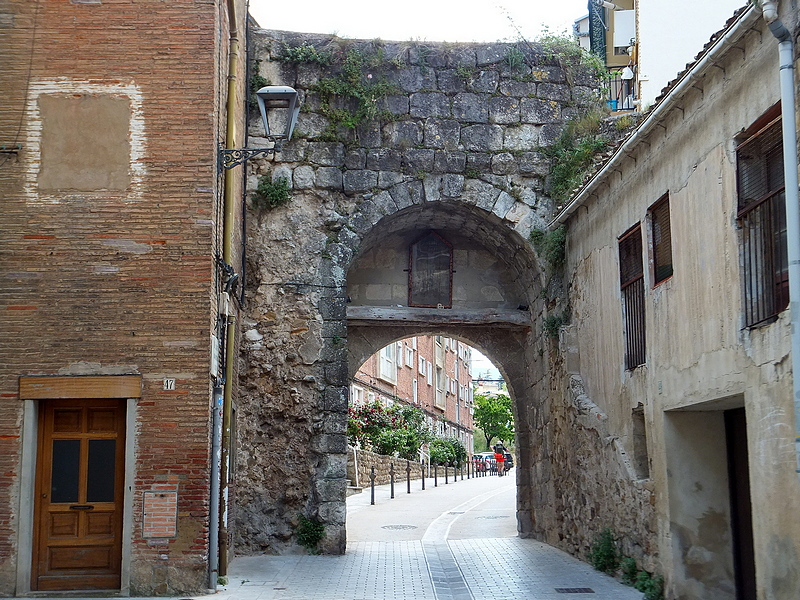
[(326, 154), (293, 151), (432, 185), (520, 89), (462, 56), (441, 133), (504, 110), (503, 204), (550, 133), (549, 74), (553, 91), (414, 79), (303, 178), (333, 308), (538, 111), (383, 159), (489, 54), (472, 108), (336, 398), (485, 82), (334, 328), (387, 179), (329, 178), (332, 490), (408, 193), (534, 163), (368, 134), (332, 513), (449, 162), (429, 104), (482, 138), (524, 137), (479, 193), (430, 56), (504, 163), (336, 374), (403, 134), (356, 158), (479, 161), (452, 186), (418, 159), (360, 180), (450, 82), (397, 105), (385, 203)]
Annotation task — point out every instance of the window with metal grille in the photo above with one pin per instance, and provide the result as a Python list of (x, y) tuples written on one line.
[(661, 236), (632, 287), (762, 220)]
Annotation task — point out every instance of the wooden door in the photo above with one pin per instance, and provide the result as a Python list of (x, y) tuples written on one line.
[(79, 495)]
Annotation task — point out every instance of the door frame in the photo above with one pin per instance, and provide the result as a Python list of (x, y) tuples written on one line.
[(33, 390)]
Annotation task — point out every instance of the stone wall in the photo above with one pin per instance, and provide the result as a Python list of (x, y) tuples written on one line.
[(455, 147), (363, 460)]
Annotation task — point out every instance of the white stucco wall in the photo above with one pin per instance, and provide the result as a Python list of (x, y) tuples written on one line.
[(700, 361)]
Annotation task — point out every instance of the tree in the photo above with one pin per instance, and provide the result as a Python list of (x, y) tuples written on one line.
[(493, 415)]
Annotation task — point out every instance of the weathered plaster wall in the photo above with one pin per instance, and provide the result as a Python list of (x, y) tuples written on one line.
[(697, 351)]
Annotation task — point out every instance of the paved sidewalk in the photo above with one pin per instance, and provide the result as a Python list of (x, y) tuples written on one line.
[(452, 542)]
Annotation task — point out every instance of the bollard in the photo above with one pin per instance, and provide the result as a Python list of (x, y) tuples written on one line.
[(446, 469), (391, 479), (461, 468), (372, 485), (422, 469), (408, 476), (468, 463), (435, 475)]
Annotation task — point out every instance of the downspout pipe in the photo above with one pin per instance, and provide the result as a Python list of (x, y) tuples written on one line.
[(789, 128), (221, 551)]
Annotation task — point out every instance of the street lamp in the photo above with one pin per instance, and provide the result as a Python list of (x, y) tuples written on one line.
[(280, 103)]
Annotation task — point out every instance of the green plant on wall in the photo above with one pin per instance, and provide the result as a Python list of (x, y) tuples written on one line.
[(309, 533), (574, 153), (305, 53), (270, 194), (604, 554), (357, 90), (551, 245), (514, 58), (257, 81)]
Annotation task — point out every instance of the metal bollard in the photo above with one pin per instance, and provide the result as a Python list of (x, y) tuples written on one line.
[(435, 475), (372, 485), (461, 468), (446, 469), (391, 479), (422, 469), (408, 476)]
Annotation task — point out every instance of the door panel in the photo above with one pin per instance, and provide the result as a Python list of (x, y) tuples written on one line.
[(79, 494)]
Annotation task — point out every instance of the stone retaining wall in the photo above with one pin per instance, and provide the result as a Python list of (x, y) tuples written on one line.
[(366, 460)]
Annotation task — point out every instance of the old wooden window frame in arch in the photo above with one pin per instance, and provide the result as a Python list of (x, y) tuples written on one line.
[(430, 272)]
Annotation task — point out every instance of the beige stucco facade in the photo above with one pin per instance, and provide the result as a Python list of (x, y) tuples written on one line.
[(701, 360)]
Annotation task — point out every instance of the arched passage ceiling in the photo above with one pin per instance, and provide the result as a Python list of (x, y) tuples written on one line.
[(494, 267)]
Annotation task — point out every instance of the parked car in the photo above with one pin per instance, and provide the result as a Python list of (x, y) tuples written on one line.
[(509, 460)]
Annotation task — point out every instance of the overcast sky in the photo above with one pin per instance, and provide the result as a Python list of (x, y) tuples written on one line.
[(425, 20)]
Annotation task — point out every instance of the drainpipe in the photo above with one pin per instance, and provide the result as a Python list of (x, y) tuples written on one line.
[(213, 517), (789, 125), (227, 256)]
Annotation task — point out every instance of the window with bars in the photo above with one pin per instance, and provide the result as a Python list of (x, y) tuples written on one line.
[(661, 237), (762, 220), (632, 288)]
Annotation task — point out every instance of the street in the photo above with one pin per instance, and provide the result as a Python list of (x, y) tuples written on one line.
[(451, 542)]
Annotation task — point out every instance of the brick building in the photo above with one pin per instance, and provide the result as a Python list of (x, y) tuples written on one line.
[(429, 372), (120, 252)]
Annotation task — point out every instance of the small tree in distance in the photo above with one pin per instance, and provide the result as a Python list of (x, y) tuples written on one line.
[(493, 415)]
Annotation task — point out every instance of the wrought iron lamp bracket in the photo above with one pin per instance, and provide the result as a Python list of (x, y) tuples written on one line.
[(231, 157)]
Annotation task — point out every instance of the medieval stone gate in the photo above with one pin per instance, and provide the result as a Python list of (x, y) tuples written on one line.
[(397, 142)]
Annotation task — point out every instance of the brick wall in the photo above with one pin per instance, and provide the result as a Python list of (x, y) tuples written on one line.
[(108, 282)]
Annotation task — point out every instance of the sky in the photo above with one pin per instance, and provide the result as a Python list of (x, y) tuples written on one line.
[(422, 20)]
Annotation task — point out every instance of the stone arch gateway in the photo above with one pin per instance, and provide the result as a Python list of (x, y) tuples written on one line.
[(454, 150)]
